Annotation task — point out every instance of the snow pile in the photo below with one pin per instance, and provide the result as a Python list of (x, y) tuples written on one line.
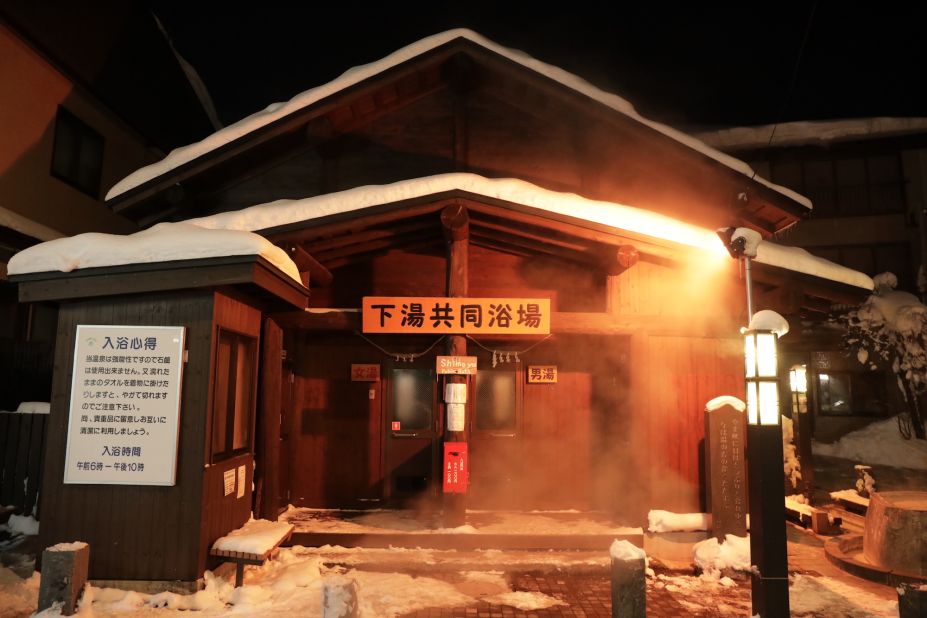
[(282, 212), (726, 400), (790, 462), (23, 524), (850, 495), (34, 407), (733, 553), (358, 74), (890, 329), (337, 598), (666, 521), (18, 597), (799, 260), (877, 443), (525, 601), (767, 319), (164, 242), (824, 597), (67, 546), (865, 484), (811, 132), (799, 504), (255, 537), (884, 282), (626, 551)]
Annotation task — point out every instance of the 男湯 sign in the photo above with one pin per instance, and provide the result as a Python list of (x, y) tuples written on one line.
[(439, 315), (124, 412)]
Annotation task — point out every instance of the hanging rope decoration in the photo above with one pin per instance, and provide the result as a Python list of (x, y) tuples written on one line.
[(507, 356), (404, 357)]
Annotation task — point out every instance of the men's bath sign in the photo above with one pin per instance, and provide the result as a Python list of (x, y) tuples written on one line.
[(124, 416)]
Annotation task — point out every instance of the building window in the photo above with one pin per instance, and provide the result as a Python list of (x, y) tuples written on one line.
[(234, 394), (496, 400), (77, 154), (845, 184), (844, 393), (413, 398)]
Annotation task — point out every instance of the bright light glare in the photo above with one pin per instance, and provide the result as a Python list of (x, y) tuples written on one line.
[(798, 379)]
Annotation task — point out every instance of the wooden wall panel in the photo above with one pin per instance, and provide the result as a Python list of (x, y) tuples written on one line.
[(336, 455), (673, 378), (135, 532)]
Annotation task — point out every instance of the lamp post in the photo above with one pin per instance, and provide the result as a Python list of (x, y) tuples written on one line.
[(766, 499), (768, 547)]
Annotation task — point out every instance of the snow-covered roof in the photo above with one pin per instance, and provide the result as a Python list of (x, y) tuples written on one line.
[(162, 243), (619, 216), (358, 74), (811, 132)]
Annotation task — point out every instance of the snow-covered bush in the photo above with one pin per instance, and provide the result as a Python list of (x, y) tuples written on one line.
[(889, 331)]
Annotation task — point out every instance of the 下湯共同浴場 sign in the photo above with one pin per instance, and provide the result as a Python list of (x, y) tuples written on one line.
[(124, 414), (440, 315)]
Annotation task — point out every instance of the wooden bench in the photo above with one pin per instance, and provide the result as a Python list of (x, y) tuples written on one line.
[(241, 558)]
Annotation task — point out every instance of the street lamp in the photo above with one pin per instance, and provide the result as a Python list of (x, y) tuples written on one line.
[(766, 499), (768, 546)]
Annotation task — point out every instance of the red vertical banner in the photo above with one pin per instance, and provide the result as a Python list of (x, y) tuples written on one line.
[(456, 468)]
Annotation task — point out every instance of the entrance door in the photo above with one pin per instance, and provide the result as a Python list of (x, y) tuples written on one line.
[(413, 430), (495, 436)]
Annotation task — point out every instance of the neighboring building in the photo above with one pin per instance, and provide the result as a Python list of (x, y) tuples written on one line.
[(62, 148), (867, 179)]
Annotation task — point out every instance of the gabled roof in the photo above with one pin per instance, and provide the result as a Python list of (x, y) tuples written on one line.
[(282, 217), (187, 161)]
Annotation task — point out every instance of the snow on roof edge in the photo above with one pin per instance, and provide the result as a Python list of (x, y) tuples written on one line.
[(352, 76), (810, 132), (619, 216)]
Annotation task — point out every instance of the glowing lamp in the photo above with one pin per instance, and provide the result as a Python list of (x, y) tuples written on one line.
[(798, 385), (761, 363)]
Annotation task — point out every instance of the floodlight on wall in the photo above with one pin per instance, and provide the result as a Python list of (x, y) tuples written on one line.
[(761, 364)]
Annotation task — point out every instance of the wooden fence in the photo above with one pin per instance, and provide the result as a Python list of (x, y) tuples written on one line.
[(22, 449)]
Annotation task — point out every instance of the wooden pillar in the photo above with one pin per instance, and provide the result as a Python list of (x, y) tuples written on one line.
[(455, 223), (268, 469)]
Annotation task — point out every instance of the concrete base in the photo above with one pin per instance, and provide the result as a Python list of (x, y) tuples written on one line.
[(64, 573)]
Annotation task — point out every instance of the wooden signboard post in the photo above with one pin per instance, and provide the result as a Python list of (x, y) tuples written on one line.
[(726, 474)]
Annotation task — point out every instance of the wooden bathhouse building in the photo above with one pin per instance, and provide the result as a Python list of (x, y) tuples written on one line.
[(455, 198)]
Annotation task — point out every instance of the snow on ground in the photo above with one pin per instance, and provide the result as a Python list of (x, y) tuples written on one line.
[(161, 243), (713, 557), (525, 601), (666, 521), (18, 597), (23, 524), (824, 597), (416, 522), (358, 74), (877, 443)]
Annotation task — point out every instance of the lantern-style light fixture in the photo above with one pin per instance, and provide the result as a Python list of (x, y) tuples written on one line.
[(798, 385), (762, 376)]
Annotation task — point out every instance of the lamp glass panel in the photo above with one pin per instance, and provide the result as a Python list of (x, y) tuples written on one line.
[(750, 355), (766, 358), (769, 403), (752, 398), (798, 379)]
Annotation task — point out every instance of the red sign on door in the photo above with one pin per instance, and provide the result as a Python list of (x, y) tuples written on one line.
[(455, 468)]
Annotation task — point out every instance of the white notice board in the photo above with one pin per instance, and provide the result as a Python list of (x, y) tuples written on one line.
[(124, 417)]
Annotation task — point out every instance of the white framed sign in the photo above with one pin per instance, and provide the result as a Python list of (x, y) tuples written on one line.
[(124, 415)]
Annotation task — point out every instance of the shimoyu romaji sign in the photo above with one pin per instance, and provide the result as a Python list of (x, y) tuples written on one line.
[(124, 415), (472, 316)]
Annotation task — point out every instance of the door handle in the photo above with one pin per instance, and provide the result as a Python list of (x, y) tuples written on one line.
[(502, 435)]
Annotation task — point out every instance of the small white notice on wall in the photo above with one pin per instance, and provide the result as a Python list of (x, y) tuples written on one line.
[(241, 482), (456, 416), (124, 416), (455, 393), (229, 481)]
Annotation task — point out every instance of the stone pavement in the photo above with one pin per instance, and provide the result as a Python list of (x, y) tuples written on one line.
[(589, 595)]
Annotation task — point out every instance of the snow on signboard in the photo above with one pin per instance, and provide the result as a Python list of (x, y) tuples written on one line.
[(124, 415), (355, 75)]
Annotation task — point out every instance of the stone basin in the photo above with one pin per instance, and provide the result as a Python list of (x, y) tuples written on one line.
[(895, 534)]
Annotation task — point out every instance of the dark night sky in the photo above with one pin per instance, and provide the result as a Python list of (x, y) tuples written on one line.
[(683, 64)]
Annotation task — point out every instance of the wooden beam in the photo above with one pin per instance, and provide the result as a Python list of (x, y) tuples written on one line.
[(371, 252), (528, 247), (367, 235), (310, 268)]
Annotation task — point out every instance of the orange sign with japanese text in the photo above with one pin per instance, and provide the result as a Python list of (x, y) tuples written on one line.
[(438, 315), (542, 374), (365, 373)]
